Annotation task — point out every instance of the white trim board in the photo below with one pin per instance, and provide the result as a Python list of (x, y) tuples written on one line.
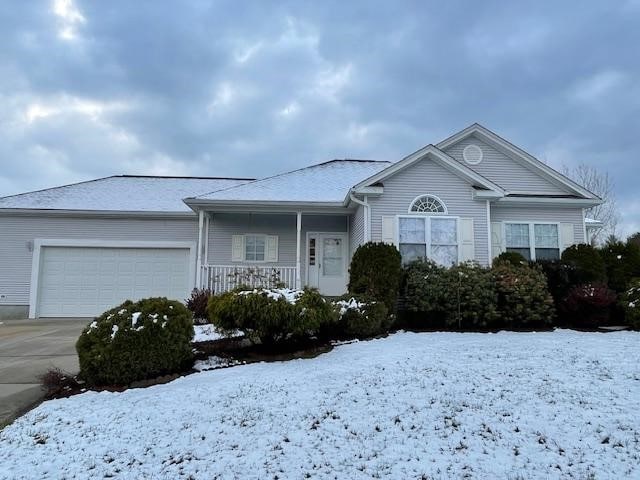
[(39, 243)]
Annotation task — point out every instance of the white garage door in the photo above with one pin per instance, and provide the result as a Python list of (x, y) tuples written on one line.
[(84, 282)]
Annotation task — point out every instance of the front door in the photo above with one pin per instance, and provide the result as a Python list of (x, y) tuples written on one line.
[(327, 262)]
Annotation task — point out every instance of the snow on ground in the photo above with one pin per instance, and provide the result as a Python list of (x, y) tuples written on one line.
[(207, 333), (432, 405)]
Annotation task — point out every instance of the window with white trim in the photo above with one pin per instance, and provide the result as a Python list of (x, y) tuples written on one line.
[(534, 241), (427, 204), (254, 248), (430, 237)]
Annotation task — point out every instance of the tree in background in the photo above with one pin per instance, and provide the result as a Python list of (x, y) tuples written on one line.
[(600, 183), (635, 239)]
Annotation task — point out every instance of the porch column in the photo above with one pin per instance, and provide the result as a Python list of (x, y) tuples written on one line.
[(298, 249), (199, 251)]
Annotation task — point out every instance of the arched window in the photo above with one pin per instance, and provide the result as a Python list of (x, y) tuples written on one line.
[(427, 204)]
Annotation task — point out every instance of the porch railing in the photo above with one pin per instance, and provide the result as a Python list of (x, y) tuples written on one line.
[(222, 278)]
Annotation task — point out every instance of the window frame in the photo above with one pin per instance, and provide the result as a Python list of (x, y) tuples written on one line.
[(427, 234), (244, 252), (435, 197), (532, 236)]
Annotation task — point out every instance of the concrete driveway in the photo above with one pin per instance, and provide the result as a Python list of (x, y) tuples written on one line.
[(28, 348)]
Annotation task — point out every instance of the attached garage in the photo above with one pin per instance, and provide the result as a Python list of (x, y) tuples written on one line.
[(85, 278)]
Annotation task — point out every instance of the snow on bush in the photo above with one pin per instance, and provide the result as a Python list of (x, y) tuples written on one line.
[(360, 318), (271, 315), (430, 405), (136, 341)]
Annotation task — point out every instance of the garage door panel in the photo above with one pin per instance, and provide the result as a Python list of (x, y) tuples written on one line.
[(83, 281)]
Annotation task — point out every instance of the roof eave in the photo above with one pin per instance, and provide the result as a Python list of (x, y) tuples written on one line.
[(520, 201), (197, 204), (80, 212)]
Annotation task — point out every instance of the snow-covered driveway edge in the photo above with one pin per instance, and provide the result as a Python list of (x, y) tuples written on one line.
[(558, 404)]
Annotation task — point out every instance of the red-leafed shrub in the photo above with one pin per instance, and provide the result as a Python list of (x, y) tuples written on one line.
[(589, 305), (197, 304)]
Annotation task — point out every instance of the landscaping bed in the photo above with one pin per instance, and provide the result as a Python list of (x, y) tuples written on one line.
[(559, 404)]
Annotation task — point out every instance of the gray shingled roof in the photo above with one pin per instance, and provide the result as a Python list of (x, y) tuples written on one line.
[(325, 182), (121, 193)]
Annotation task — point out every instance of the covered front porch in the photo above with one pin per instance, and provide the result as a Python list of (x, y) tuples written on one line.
[(273, 249)]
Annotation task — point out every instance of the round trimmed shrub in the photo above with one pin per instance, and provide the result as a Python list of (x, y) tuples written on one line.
[(630, 303), (136, 341), (589, 305), (471, 299), (376, 272), (586, 264), (271, 315), (360, 317), (514, 258), (523, 298)]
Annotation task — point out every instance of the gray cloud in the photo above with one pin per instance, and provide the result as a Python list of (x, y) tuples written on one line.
[(229, 88)]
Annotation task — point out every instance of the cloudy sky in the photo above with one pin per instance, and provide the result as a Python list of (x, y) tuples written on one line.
[(228, 88)]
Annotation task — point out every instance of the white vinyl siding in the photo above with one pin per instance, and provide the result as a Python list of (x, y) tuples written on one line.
[(428, 178), (17, 234), (503, 170), (356, 229)]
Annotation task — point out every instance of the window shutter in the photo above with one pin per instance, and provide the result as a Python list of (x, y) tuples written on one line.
[(271, 255), (388, 229), (567, 237), (496, 239), (467, 248), (237, 248)]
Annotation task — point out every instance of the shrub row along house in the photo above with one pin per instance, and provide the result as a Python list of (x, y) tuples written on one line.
[(80, 249)]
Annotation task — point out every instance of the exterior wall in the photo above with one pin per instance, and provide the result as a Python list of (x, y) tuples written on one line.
[(501, 213), (224, 225), (427, 177), (17, 231), (506, 172), (356, 230)]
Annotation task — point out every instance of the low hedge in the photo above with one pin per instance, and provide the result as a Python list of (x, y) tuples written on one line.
[(271, 316), (360, 318), (136, 341)]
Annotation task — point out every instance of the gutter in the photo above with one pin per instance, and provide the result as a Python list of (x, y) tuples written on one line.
[(367, 213)]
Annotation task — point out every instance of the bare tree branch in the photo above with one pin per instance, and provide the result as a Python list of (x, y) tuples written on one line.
[(601, 184)]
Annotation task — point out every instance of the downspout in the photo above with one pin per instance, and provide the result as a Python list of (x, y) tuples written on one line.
[(367, 220)]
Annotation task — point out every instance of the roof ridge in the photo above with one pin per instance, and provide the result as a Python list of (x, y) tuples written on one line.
[(118, 176), (287, 173), (181, 177)]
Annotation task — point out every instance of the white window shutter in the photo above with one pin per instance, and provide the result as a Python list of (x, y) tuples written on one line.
[(567, 235), (467, 247), (237, 248), (496, 239), (388, 229), (271, 255)]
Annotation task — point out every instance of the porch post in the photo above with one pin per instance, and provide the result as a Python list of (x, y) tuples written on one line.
[(199, 252), (298, 249)]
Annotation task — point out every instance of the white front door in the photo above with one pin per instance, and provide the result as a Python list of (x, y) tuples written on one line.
[(327, 262)]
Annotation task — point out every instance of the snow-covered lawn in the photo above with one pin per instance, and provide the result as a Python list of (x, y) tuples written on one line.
[(432, 405)]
